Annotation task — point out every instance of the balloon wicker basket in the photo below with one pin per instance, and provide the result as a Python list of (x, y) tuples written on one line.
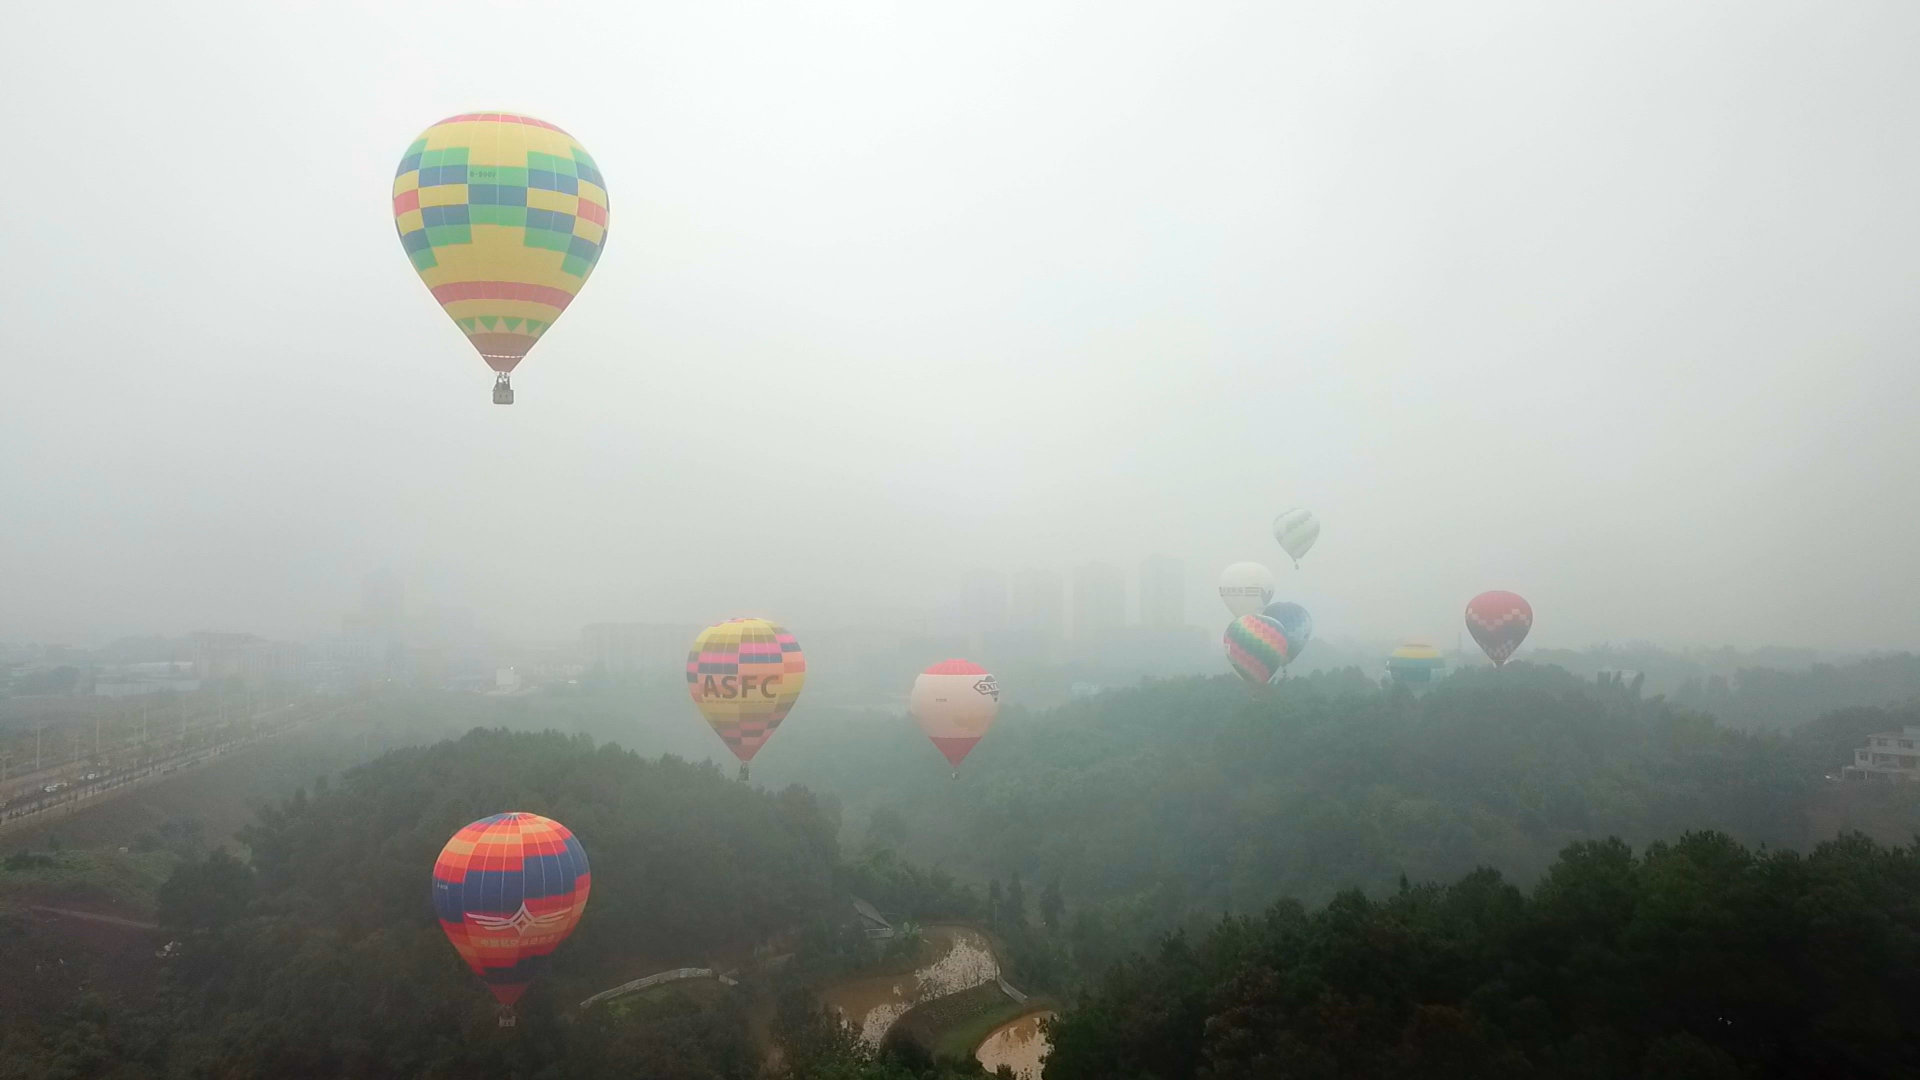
[(502, 390), (743, 772), (507, 1018)]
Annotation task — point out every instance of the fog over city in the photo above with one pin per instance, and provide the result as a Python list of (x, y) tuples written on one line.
[(1611, 305)]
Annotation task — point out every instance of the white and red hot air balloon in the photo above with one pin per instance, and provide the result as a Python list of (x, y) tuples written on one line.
[(955, 702), (1499, 621)]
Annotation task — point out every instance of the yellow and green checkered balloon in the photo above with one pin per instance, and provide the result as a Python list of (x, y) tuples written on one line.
[(504, 217)]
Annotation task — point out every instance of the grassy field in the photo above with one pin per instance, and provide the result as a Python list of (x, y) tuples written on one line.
[(105, 881), (954, 1026), (221, 795), (964, 1036)]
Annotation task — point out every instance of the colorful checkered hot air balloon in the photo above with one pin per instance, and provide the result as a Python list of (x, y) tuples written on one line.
[(1499, 621), (1257, 648), (504, 218), (745, 675), (508, 890), (954, 702)]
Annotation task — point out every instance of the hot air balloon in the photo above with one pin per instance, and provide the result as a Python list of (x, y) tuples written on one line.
[(504, 218), (955, 701), (1499, 621), (1294, 622), (1257, 648), (1246, 587), (745, 675), (1296, 530), (1414, 664), (508, 890)]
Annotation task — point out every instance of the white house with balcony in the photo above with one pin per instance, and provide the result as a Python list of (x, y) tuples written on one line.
[(1889, 755)]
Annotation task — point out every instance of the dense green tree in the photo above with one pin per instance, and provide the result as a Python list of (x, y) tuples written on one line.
[(1697, 957)]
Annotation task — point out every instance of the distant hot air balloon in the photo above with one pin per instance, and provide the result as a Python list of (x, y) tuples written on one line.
[(1499, 621), (1294, 622), (508, 890), (504, 218), (745, 675), (1296, 530), (955, 702), (1257, 648), (1246, 587), (1414, 664)]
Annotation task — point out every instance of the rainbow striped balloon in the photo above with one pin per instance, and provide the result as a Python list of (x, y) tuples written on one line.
[(1256, 647), (504, 218), (508, 890)]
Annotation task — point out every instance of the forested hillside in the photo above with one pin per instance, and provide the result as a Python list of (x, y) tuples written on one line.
[(1079, 837), (1698, 958), (1193, 797)]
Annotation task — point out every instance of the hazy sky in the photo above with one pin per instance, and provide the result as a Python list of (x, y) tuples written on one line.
[(1615, 305)]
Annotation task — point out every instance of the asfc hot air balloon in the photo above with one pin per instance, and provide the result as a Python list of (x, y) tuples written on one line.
[(508, 890), (1294, 622), (1499, 621), (1256, 648), (955, 702), (504, 217), (1296, 530), (745, 675), (1246, 587)]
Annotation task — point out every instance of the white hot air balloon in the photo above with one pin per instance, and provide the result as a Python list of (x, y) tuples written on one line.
[(1246, 587), (1296, 530), (955, 702)]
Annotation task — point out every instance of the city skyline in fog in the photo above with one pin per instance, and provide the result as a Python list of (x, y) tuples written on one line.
[(1511, 297)]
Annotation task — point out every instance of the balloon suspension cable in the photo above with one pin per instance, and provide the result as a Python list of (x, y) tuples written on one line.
[(506, 1016)]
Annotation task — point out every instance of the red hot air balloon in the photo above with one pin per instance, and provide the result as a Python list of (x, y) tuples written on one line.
[(955, 702), (1499, 621), (508, 890)]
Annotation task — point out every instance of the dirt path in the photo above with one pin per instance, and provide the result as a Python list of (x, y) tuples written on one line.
[(110, 920)]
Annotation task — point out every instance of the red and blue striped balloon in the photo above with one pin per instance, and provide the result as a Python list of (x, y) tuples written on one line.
[(508, 890)]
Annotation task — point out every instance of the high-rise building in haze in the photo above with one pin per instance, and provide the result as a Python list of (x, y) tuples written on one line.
[(1039, 606), (383, 603), (1099, 601), (1163, 593), (658, 649), (983, 601)]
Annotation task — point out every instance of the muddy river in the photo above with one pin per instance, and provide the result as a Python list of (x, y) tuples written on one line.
[(872, 1003), (1019, 1043)]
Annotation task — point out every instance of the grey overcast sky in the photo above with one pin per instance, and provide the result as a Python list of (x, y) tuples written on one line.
[(1611, 304)]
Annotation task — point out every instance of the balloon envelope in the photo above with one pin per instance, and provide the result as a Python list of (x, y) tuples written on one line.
[(745, 675), (954, 703), (1499, 621), (1256, 648), (1246, 587), (508, 889), (1296, 530), (1294, 622), (1414, 663), (504, 218)]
